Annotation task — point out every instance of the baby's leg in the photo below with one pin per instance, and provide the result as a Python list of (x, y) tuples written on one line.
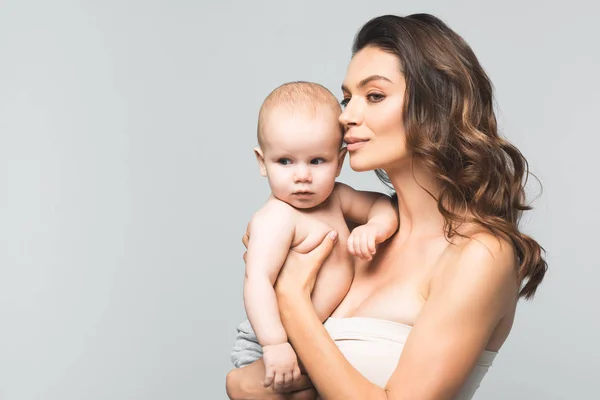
[(246, 348)]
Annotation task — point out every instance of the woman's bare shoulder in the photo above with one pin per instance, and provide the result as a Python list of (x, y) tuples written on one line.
[(480, 242), (483, 259)]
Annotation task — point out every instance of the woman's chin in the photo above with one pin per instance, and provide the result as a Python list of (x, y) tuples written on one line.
[(359, 165)]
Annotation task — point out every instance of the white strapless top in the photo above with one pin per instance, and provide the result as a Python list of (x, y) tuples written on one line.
[(373, 346)]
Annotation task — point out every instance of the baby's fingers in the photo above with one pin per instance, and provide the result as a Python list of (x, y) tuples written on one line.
[(350, 244), (371, 245), (269, 377), (364, 247), (287, 379), (296, 374), (279, 380)]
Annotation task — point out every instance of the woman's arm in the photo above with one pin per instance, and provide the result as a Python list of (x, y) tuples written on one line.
[(329, 371), (463, 308)]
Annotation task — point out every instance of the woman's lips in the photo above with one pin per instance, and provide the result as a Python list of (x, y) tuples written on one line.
[(356, 145)]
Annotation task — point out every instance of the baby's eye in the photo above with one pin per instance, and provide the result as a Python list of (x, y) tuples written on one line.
[(317, 161), (284, 161)]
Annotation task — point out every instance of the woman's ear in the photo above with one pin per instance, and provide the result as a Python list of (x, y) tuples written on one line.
[(341, 158), (261, 161)]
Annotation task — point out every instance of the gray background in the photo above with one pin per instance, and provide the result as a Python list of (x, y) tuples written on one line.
[(127, 178)]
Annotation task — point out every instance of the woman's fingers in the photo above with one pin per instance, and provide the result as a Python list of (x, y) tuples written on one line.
[(317, 256), (245, 240), (300, 269), (322, 251), (246, 236)]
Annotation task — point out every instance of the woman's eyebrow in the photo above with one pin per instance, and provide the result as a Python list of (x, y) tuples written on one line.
[(365, 81)]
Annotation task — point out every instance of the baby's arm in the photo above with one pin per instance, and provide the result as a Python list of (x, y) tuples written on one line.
[(375, 213), (271, 234)]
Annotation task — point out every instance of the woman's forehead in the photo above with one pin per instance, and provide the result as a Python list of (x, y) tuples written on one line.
[(372, 62)]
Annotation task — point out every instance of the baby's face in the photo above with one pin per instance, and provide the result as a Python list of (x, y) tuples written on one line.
[(301, 155)]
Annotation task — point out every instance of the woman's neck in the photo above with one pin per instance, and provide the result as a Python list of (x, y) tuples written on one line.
[(418, 210)]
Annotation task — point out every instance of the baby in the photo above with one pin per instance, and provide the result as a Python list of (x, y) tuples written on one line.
[(300, 152)]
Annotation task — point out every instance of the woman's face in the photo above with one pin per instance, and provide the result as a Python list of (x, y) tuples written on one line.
[(373, 101)]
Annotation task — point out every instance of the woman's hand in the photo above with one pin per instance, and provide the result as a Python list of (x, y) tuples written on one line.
[(300, 269), (246, 239), (299, 272)]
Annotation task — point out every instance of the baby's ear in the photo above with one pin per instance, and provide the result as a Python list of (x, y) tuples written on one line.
[(261, 160), (341, 158)]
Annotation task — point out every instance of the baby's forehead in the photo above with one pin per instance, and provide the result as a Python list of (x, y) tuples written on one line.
[(322, 119), (300, 130), (302, 147), (303, 109)]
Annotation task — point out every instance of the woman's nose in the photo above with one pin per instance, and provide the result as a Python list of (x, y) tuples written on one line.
[(351, 115)]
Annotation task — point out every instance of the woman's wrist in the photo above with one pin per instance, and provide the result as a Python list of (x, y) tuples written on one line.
[(292, 292), (290, 300)]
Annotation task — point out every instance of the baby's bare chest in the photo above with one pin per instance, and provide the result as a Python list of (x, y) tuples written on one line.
[(312, 227)]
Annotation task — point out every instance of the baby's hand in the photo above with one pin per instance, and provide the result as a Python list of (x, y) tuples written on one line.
[(281, 366), (363, 240)]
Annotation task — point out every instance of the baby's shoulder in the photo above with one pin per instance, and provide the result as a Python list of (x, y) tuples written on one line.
[(275, 209), (339, 189)]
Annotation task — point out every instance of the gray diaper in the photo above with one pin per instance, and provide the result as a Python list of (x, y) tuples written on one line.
[(246, 348)]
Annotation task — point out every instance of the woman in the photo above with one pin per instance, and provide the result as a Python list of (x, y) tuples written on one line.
[(426, 316)]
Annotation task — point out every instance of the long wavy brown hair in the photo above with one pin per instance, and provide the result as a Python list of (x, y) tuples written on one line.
[(451, 128)]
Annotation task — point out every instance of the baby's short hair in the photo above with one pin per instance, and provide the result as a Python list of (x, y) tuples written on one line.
[(298, 95)]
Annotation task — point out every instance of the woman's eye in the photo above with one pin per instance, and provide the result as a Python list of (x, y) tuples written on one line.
[(375, 97), (284, 161), (345, 102), (317, 161)]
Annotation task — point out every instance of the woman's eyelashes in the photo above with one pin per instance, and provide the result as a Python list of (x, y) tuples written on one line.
[(371, 98), (375, 97)]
